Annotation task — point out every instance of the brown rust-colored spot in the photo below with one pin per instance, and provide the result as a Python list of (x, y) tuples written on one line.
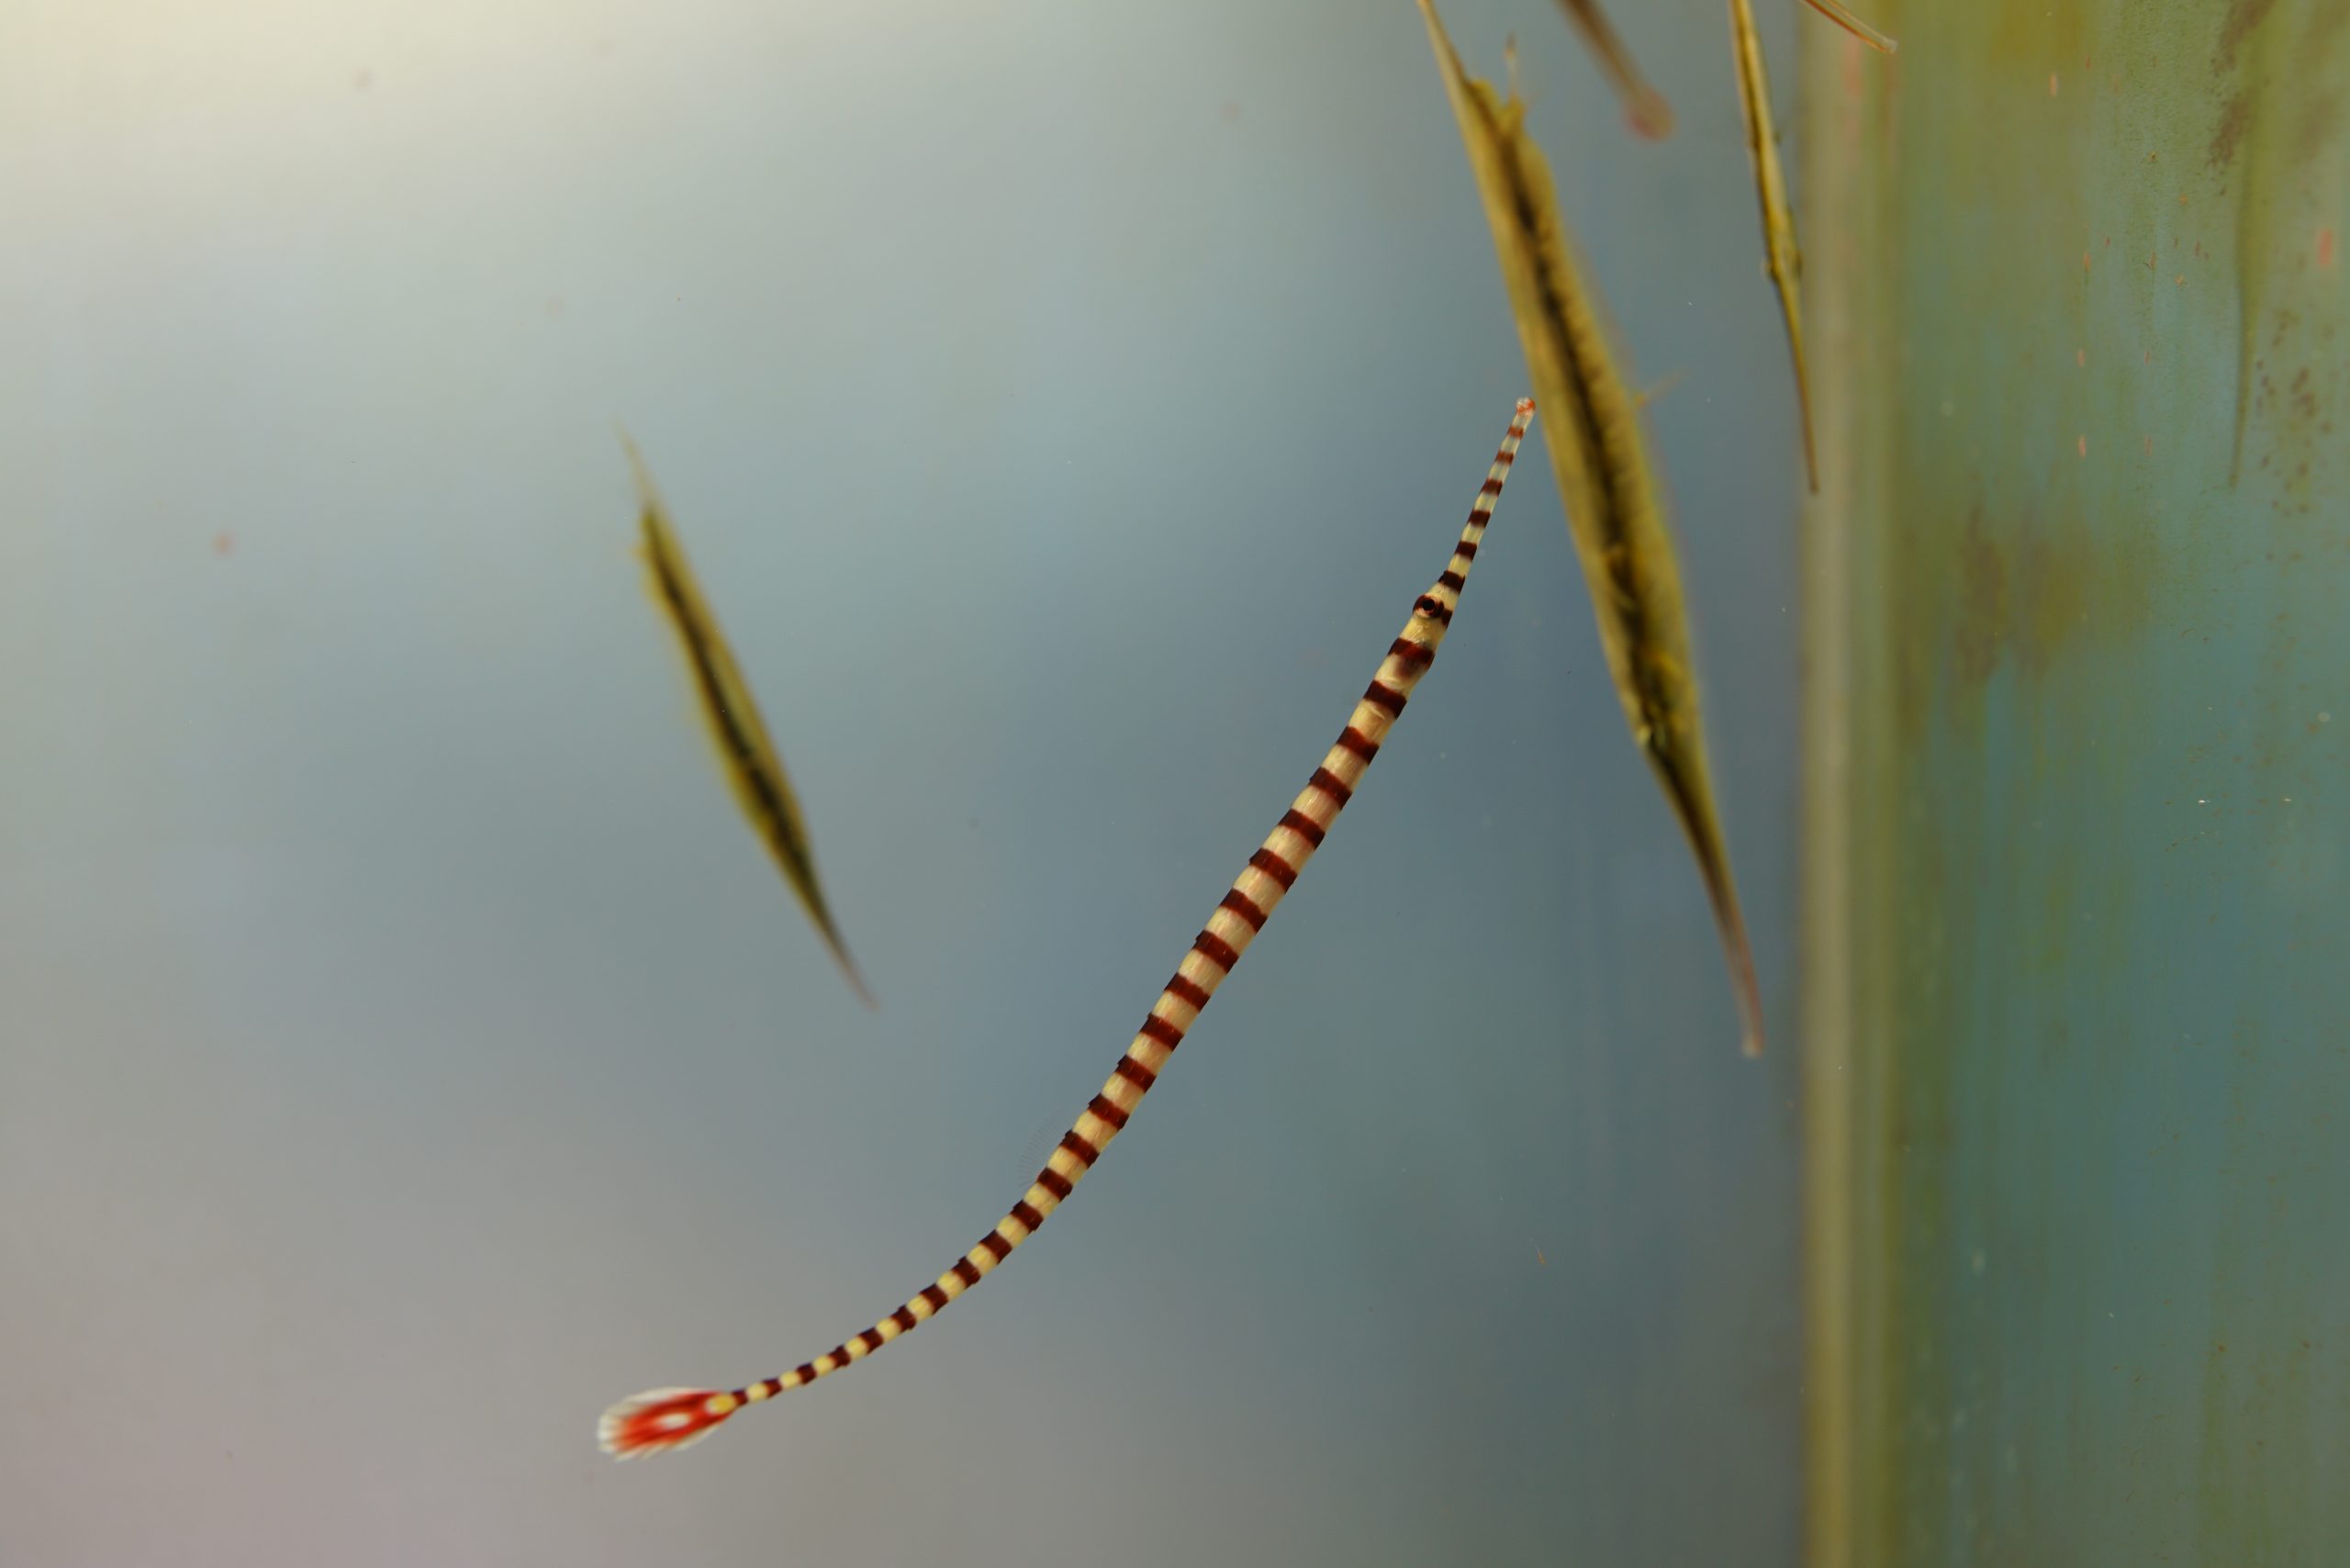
[(2243, 18), (2056, 583), (2235, 117), (1981, 603)]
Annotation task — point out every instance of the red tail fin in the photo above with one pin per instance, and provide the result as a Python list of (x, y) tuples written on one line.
[(660, 1419)]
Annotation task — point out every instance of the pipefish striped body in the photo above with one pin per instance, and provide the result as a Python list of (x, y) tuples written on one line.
[(664, 1419)]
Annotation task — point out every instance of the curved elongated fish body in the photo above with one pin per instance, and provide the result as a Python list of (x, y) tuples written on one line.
[(666, 1419)]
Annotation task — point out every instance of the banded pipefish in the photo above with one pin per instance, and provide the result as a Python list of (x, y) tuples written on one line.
[(664, 1418)]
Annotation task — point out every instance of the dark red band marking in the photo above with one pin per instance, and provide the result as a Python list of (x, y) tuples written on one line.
[(1134, 1072), (1158, 1029), (1305, 827), (1243, 906), (1184, 990), (1508, 455), (1327, 781), (936, 1297), (1082, 1148), (1490, 487), (1215, 950), (967, 1270), (1107, 1109), (1382, 695), (1052, 1182), (996, 1245), (1273, 865), (871, 1339), (1410, 652), (903, 1318), (839, 1355), (1026, 1214), (806, 1371), (1452, 579), (1466, 547)]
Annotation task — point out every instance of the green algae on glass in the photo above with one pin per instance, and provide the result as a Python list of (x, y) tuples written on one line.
[(2077, 1063), (2278, 131), (1614, 504), (747, 755)]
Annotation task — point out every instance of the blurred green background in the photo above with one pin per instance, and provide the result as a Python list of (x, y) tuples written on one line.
[(2079, 681)]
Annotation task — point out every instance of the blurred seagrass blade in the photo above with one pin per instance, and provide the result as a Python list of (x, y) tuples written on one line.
[(1881, 42), (1614, 506), (1782, 258), (1644, 107), (745, 755)]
